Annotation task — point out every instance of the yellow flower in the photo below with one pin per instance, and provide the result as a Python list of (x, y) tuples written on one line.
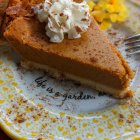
[(118, 8), (97, 7), (107, 12), (113, 1), (99, 15), (113, 17), (122, 16), (105, 25), (110, 8), (91, 5)]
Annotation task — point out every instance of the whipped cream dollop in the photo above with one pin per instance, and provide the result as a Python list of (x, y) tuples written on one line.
[(63, 17)]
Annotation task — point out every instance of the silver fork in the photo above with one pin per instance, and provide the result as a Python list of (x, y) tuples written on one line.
[(133, 44)]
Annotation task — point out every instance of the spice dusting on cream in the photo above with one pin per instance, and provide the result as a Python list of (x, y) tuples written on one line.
[(63, 17)]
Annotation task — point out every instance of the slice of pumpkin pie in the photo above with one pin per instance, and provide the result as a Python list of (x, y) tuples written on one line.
[(63, 37)]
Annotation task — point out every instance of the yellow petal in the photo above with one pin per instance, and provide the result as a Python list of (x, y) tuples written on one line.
[(113, 17), (105, 25), (110, 8), (91, 5), (98, 15)]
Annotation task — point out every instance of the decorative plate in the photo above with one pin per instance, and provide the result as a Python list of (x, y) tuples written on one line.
[(33, 105)]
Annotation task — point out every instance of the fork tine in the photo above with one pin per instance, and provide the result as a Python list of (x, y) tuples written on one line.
[(132, 53), (134, 47), (133, 37), (133, 42)]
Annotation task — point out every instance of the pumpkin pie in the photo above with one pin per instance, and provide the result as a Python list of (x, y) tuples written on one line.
[(91, 59)]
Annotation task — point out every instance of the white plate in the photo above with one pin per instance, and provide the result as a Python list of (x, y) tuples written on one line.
[(33, 105)]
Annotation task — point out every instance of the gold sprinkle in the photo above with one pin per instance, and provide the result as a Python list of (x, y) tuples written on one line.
[(117, 135), (78, 138), (36, 118), (136, 126), (34, 133), (130, 117), (120, 122), (8, 123), (137, 138), (114, 112), (10, 76), (1, 62), (18, 117), (1, 82), (81, 115), (10, 96), (8, 110), (60, 128), (84, 124), (62, 114), (106, 139), (127, 130), (1, 101), (51, 136), (40, 105), (124, 107), (65, 133), (53, 120), (28, 110), (73, 128), (110, 126), (17, 130), (44, 126), (24, 138), (5, 89), (15, 84), (138, 111), (105, 116), (20, 102), (100, 130), (95, 121), (88, 135), (28, 124), (5, 69)]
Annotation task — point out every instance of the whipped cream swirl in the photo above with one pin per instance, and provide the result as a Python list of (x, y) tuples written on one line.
[(63, 17)]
